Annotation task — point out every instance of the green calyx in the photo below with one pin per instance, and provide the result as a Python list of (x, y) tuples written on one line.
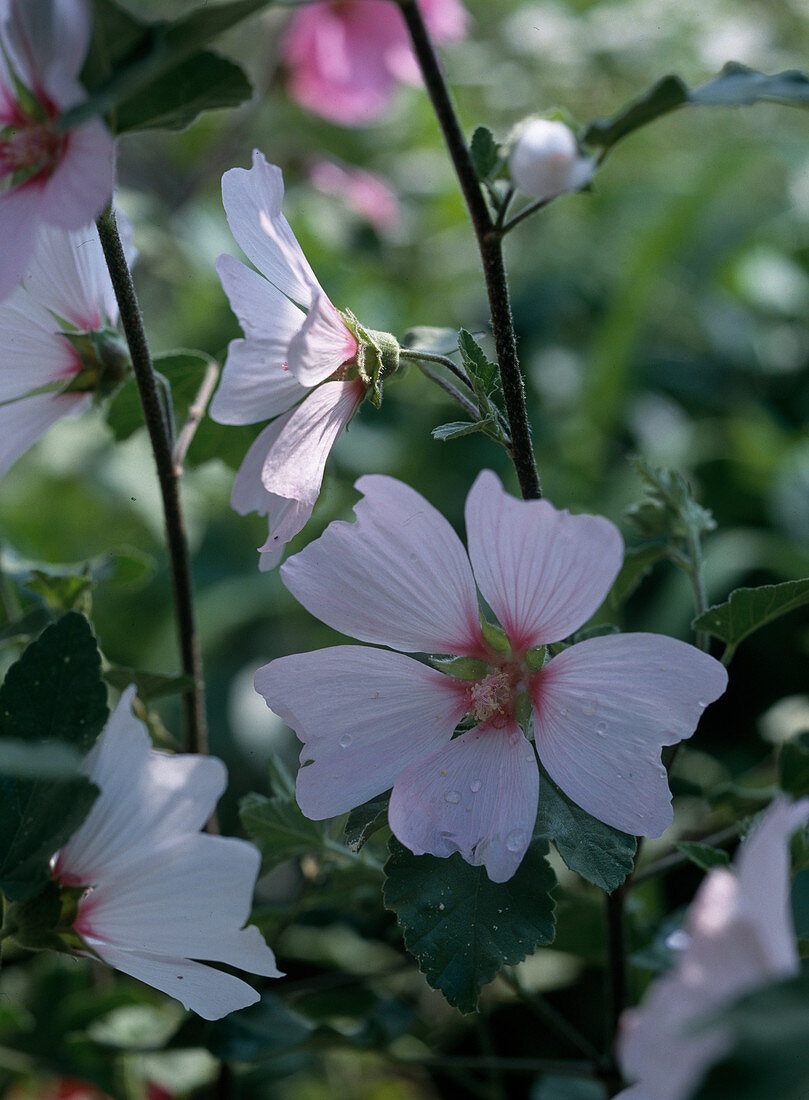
[(524, 713), (377, 356), (535, 658), (462, 668), (105, 362), (45, 922), (495, 636)]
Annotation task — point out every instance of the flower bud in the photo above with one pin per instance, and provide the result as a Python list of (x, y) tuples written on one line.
[(545, 159)]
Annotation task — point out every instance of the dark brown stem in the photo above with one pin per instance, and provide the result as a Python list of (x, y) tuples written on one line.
[(616, 955), (193, 700), (489, 240)]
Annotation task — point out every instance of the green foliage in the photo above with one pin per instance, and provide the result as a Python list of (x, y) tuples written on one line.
[(482, 371), (800, 903), (53, 693), (793, 766), (669, 508), (276, 824), (638, 563), (484, 377), (183, 372), (463, 928), (567, 1087), (735, 86), (602, 855), (265, 1030), (703, 855), (48, 760), (748, 609), (157, 75), (365, 820), (770, 1056), (150, 685), (485, 152)]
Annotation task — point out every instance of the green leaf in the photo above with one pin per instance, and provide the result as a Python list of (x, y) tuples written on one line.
[(150, 685), (484, 151), (265, 1030), (53, 692), (47, 760), (567, 1087), (276, 824), (463, 928), (748, 609), (800, 903), (143, 75), (184, 371), (770, 1055), (602, 855), (62, 593), (669, 508), (438, 341), (365, 820), (457, 428), (638, 563), (735, 86), (793, 766), (703, 855), (482, 371)]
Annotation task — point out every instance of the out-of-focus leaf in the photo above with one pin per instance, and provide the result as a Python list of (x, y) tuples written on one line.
[(276, 824), (800, 903), (364, 821), (567, 1087), (669, 508), (703, 855), (638, 562), (47, 760), (150, 685), (485, 154), (736, 86), (54, 692), (463, 928), (184, 370), (62, 593), (793, 766), (597, 852), (748, 609), (264, 1030), (438, 341)]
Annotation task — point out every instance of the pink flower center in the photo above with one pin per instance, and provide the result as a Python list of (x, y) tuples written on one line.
[(34, 147)]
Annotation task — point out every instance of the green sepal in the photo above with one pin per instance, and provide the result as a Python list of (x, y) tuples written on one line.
[(377, 356), (495, 636), (45, 921), (105, 362), (524, 713), (535, 658), (463, 668)]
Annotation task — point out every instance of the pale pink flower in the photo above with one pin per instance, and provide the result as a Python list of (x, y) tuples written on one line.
[(297, 355), (345, 57), (738, 935), (366, 193), (66, 293), (160, 894), (58, 177), (371, 719), (545, 159)]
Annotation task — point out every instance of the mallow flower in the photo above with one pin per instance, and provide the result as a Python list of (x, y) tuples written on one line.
[(372, 719), (144, 890), (738, 935), (301, 362), (58, 177), (345, 57), (58, 345), (545, 159)]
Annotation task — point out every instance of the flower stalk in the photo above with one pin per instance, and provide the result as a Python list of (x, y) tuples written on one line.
[(196, 736)]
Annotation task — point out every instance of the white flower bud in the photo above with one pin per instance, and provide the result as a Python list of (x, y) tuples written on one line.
[(545, 159)]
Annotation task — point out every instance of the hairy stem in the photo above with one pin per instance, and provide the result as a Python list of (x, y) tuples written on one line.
[(616, 956), (196, 737), (489, 240)]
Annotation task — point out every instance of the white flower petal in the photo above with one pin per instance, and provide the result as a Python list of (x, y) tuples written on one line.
[(23, 422)]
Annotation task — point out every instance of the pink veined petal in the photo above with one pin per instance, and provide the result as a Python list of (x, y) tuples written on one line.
[(32, 354), (20, 216), (24, 421), (68, 276), (294, 466), (263, 311), (255, 384), (187, 897), (81, 184), (398, 576), (209, 992), (602, 711), (252, 199), (476, 795), (41, 36), (363, 714), (543, 572), (764, 869), (146, 798), (322, 344)]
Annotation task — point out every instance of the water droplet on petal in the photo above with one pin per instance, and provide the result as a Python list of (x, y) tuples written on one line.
[(452, 797), (345, 740), (601, 728), (515, 840), (701, 704), (475, 787)]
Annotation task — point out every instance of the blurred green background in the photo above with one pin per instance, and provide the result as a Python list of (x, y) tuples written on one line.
[(664, 312)]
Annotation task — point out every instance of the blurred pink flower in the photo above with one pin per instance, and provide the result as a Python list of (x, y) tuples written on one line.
[(159, 893), (60, 177), (66, 293), (366, 193), (738, 935), (371, 719), (345, 57), (296, 356)]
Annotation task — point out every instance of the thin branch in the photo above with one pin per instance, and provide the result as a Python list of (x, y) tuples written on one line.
[(415, 356), (195, 415), (678, 859), (154, 416), (549, 1015), (456, 395), (491, 251), (526, 212)]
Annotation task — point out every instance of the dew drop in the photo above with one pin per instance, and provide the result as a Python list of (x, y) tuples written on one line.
[(701, 704), (345, 740), (452, 797), (601, 728), (441, 906), (515, 840), (475, 787), (589, 704)]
